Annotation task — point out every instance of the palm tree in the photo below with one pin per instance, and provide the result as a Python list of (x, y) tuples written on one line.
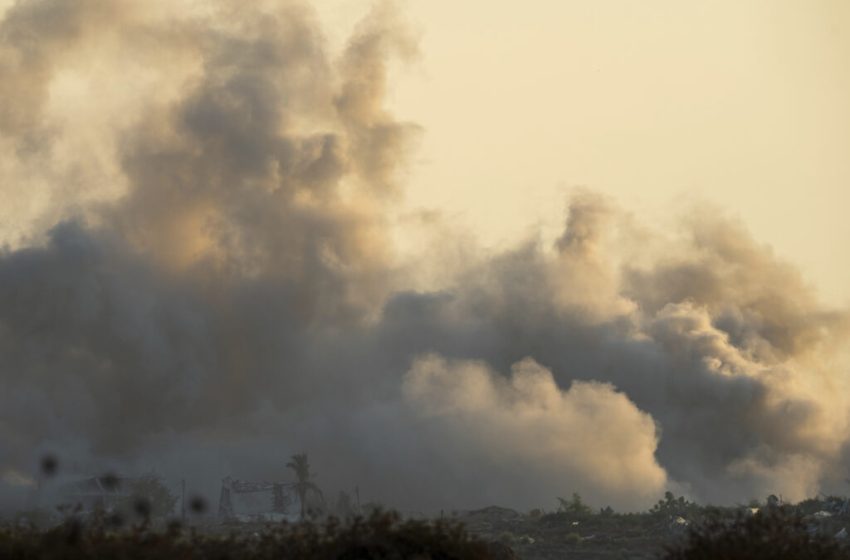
[(301, 466)]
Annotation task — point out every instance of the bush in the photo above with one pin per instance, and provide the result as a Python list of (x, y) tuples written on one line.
[(671, 506), (574, 506), (776, 534), (573, 538), (381, 536)]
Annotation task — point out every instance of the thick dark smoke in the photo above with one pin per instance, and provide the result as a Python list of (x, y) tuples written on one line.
[(199, 278)]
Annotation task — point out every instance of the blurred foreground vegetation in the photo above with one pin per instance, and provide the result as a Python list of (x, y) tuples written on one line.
[(136, 527), (804, 531), (381, 536)]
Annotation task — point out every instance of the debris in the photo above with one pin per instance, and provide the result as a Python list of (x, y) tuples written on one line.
[(678, 524), (525, 539)]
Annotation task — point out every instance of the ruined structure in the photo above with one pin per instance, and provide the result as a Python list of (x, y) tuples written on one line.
[(96, 493), (284, 498)]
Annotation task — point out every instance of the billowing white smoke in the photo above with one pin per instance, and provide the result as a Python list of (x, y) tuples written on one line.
[(524, 428), (199, 279)]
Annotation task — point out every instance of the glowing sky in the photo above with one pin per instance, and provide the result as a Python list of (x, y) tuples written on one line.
[(659, 103)]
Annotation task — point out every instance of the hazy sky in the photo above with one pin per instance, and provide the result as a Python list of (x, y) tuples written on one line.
[(658, 103)]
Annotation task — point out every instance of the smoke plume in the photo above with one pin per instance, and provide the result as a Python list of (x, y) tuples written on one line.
[(199, 277)]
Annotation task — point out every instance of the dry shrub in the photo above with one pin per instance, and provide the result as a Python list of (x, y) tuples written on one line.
[(774, 534)]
